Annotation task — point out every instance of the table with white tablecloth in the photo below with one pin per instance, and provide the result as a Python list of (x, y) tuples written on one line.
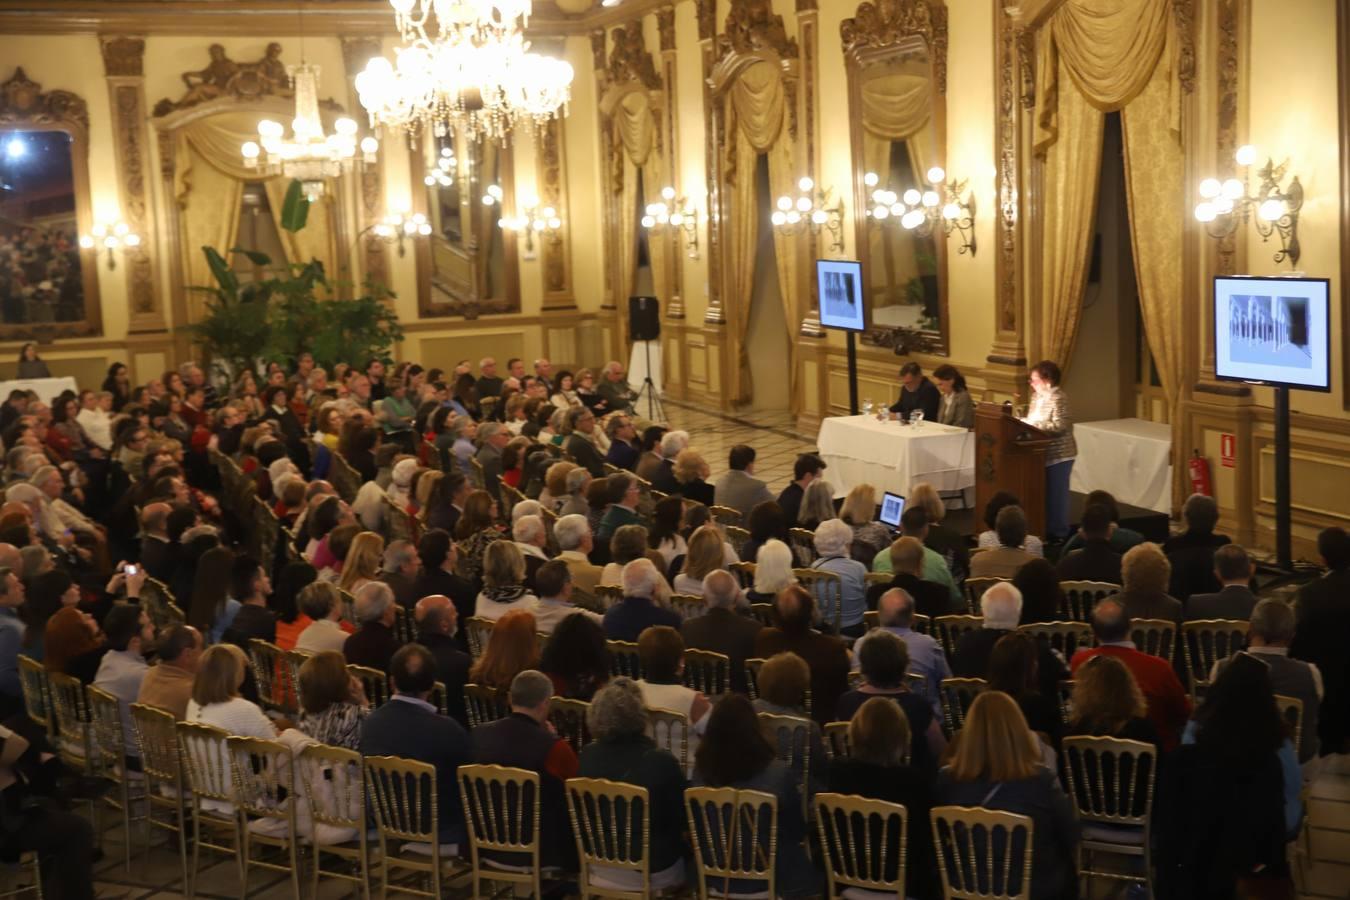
[(894, 457), (47, 389), (1131, 458)]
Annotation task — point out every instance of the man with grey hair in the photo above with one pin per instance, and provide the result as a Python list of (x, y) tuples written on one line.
[(553, 598), (1191, 553), (488, 383), (624, 496), (895, 612), (373, 644), (577, 481), (437, 624), (532, 539), (613, 388), (400, 571), (1234, 600), (641, 606), (663, 479), (525, 740), (1001, 606), (833, 537), (580, 444), (722, 629), (575, 543), (492, 440)]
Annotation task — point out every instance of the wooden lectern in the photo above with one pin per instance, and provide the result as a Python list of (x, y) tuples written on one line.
[(1010, 456)]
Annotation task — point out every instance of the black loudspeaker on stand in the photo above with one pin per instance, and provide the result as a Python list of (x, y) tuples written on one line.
[(644, 325)]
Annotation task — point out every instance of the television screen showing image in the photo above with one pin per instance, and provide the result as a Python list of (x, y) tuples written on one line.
[(840, 286), (1273, 331), (892, 508)]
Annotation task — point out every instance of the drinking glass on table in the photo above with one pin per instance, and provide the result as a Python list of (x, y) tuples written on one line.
[(916, 417), (867, 406)]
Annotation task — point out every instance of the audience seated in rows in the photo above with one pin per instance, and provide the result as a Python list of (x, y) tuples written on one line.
[(722, 629), (1001, 607), (825, 655)]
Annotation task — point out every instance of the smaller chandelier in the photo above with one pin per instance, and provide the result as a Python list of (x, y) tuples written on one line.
[(400, 226), (1224, 205), (814, 209), (309, 154), (676, 213), (945, 203), (443, 173), (532, 219), (114, 237)]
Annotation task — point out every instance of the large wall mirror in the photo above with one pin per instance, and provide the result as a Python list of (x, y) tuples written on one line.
[(48, 284), (469, 265), (895, 55)]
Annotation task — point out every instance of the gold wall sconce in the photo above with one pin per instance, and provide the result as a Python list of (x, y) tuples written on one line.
[(1226, 205), (676, 213), (400, 227), (111, 238), (532, 219), (814, 209), (944, 203)]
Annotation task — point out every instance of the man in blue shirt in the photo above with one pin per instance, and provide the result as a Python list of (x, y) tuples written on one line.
[(895, 611), (11, 642)]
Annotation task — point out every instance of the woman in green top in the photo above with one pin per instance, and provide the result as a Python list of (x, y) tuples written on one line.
[(396, 415)]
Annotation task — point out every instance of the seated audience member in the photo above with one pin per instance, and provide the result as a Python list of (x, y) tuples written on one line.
[(649, 452), (531, 539), (1144, 572), (167, 684), (512, 648), (859, 512), (553, 584), (884, 661), (210, 608), (1168, 707), (576, 658), (662, 477), (734, 753), (614, 393), (400, 571), (503, 582), (1004, 560), (817, 506), (1012, 670), (833, 540), (773, 572), (876, 769), (575, 543), (661, 650), (43, 596), (251, 587), (895, 614), (738, 488), (805, 470), (643, 603), (907, 560), (1323, 621), (74, 645), (1095, 559), (623, 494), (437, 622), (1001, 607), (1122, 539), (333, 705), (322, 603), (1107, 702), (627, 544), (526, 740), (157, 551), (294, 578), (362, 563), (215, 695), (623, 446), (783, 684), (947, 542), (1229, 800), (475, 531), (1235, 600), (704, 557), (409, 726), (123, 668), (914, 523), (997, 765), (766, 523), (664, 535), (826, 655), (436, 549), (373, 643), (1191, 552), (621, 751), (721, 629), (1042, 598), (988, 539), (580, 444), (691, 474), (554, 493)]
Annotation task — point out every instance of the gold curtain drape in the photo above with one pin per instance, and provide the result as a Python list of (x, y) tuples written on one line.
[(208, 216), (633, 133)]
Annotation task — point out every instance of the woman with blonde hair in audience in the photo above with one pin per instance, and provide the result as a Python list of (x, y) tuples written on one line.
[(1146, 574), (512, 648), (333, 703), (1107, 702), (503, 582), (817, 505), (997, 765), (945, 541), (215, 695), (692, 471), (476, 529), (362, 563), (555, 492), (773, 572), (705, 555), (859, 513)]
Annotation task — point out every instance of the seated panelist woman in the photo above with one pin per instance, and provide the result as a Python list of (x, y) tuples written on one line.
[(917, 394), (956, 406)]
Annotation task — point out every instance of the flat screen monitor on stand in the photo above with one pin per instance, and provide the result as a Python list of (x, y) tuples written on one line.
[(1274, 332), (839, 284)]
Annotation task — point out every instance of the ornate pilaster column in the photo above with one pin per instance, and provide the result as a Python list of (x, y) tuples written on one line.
[(808, 43), (551, 179), (665, 24), (707, 41), (599, 50), (357, 50), (1015, 94)]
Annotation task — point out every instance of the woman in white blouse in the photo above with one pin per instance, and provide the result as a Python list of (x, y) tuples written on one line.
[(215, 695)]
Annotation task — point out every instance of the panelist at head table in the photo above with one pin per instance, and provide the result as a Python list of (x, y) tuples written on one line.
[(917, 394)]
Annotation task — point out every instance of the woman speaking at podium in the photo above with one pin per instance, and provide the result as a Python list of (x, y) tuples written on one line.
[(1049, 411)]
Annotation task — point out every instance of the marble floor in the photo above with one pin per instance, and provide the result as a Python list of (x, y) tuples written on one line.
[(773, 434)]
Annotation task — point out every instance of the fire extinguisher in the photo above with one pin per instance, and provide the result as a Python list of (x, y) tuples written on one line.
[(1199, 472)]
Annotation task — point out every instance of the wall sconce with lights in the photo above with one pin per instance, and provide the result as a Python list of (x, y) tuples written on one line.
[(814, 209), (399, 227), (443, 173), (114, 237), (531, 219), (945, 202), (676, 213), (1224, 205)]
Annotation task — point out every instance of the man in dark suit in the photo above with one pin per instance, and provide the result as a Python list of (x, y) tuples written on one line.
[(738, 487), (410, 727), (157, 551), (492, 439), (622, 510), (288, 426), (488, 384), (1234, 600), (373, 644), (531, 537), (525, 740), (1001, 607), (579, 444), (929, 598), (437, 623), (826, 655), (805, 470), (663, 479), (918, 393), (1323, 609), (400, 571), (438, 554), (721, 629), (623, 448), (638, 610), (1096, 559), (1191, 553)]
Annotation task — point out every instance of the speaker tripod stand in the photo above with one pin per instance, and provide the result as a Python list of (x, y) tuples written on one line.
[(655, 411)]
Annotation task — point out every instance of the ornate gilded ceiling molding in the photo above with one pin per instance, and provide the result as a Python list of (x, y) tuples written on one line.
[(223, 77), (886, 23), (23, 101), (629, 60), (752, 26), (122, 55)]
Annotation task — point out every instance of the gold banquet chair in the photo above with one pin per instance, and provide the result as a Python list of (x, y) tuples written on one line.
[(1206, 641), (735, 838), (74, 740), (210, 785), (110, 750), (956, 695), (983, 854), (485, 704), (374, 682), (30, 863), (1111, 783), (569, 720), (837, 744), (264, 789), (478, 632), (162, 767), (1065, 637), (624, 659), (502, 810), (790, 737), (949, 630), (334, 783), (689, 606), (404, 803), (672, 732), (1156, 637), (860, 840), (707, 672), (37, 693), (976, 585), (1081, 596), (828, 589), (612, 826)]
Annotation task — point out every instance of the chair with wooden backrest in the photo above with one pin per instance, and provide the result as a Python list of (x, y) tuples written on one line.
[(110, 748), (157, 738), (976, 586), (511, 496), (348, 601), (37, 693), (828, 589), (871, 619), (374, 682), (478, 631), (74, 739), (1111, 783), (803, 543), (405, 626), (264, 790), (752, 667), (608, 595), (1064, 693), (689, 606), (956, 695), (737, 536), (440, 697), (501, 810), (864, 843), (921, 623), (874, 578), (836, 740), (432, 454), (983, 854), (764, 613), (210, 784), (569, 720), (1206, 641), (156, 599), (1081, 596), (399, 524), (950, 628), (270, 669), (790, 737), (479, 479), (612, 826), (707, 672), (744, 572), (672, 732), (485, 704), (403, 800), (334, 784), (345, 480), (1065, 637), (624, 659), (1291, 710), (725, 515), (735, 838), (1156, 637), (262, 537)]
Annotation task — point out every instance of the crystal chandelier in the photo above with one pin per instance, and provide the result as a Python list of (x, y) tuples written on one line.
[(309, 154), (465, 66)]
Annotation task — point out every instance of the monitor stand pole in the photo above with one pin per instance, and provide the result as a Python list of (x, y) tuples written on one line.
[(1284, 556), (852, 374)]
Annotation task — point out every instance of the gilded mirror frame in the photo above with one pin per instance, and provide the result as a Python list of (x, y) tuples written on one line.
[(25, 106), (888, 34)]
